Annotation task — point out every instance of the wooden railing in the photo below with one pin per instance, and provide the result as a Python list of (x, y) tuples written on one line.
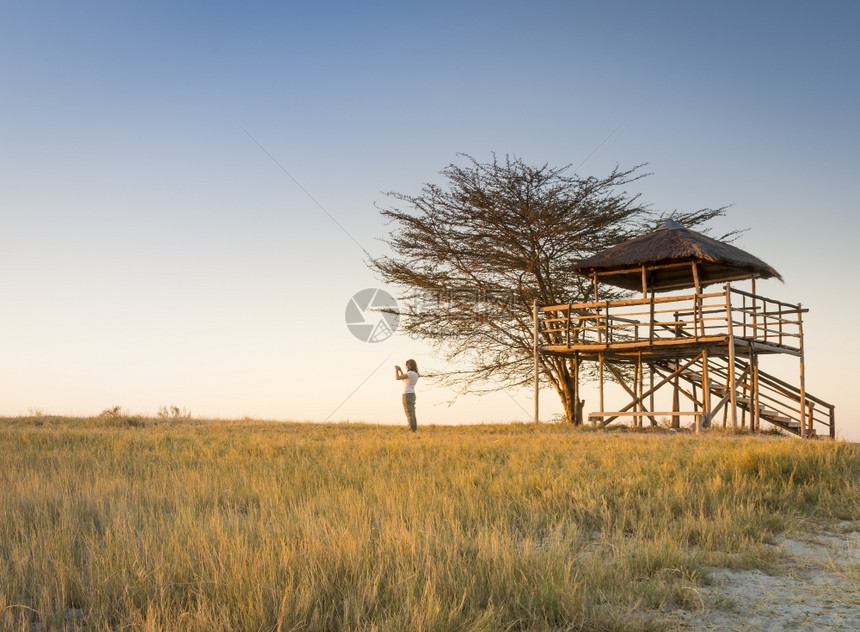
[(785, 398), (764, 319), (663, 318)]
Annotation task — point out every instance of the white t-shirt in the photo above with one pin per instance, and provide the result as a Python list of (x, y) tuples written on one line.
[(410, 383)]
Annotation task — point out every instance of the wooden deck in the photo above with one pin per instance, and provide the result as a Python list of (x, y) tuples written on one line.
[(665, 349)]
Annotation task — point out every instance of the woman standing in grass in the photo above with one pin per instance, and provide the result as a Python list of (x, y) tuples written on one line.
[(411, 377)]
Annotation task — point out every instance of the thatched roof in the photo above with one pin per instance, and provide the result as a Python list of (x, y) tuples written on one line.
[(667, 256)]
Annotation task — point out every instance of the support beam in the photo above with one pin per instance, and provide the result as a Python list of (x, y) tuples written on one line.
[(651, 388), (700, 330), (705, 419), (600, 360), (755, 422), (804, 430), (575, 371), (676, 400), (731, 386), (640, 379)]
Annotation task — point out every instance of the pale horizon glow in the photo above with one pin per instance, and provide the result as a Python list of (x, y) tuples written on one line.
[(189, 191)]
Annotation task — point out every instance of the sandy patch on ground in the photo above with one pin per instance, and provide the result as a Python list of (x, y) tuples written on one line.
[(815, 585)]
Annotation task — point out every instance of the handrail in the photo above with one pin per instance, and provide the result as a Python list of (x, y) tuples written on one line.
[(630, 301), (769, 300), (758, 319)]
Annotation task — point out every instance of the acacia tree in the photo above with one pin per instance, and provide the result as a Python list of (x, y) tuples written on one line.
[(471, 258)]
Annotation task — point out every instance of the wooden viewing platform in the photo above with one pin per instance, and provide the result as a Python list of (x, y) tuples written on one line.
[(703, 345)]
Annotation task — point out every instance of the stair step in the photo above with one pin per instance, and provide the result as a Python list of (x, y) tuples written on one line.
[(695, 376), (746, 403), (785, 421), (772, 415)]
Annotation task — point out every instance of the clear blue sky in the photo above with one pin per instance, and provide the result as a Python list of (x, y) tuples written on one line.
[(187, 187)]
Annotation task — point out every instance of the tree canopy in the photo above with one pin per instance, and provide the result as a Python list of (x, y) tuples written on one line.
[(471, 258)]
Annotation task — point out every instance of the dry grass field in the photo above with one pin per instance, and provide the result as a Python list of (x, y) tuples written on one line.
[(141, 524)]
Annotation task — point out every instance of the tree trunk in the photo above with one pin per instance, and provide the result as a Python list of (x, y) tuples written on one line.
[(570, 401)]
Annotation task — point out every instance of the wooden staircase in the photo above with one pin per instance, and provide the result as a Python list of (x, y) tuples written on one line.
[(779, 403)]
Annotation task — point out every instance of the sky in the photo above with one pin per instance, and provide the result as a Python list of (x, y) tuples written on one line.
[(188, 190)]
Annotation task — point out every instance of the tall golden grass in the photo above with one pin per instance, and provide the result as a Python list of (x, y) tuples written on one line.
[(129, 524)]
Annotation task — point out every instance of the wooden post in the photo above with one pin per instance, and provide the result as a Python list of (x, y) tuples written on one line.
[(537, 362), (638, 388), (606, 322), (676, 403), (755, 405), (695, 390), (732, 386), (804, 432), (754, 312), (698, 302), (600, 361), (832, 421), (651, 397), (569, 319), (706, 393), (575, 370), (596, 310), (676, 399), (651, 321)]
